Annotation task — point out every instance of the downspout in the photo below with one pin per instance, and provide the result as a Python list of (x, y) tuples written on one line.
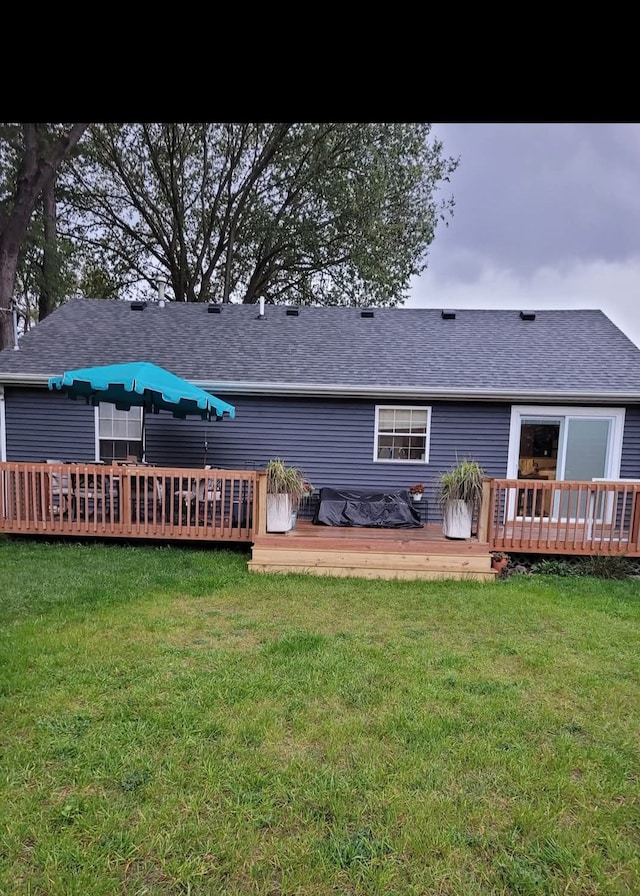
[(3, 427), (96, 433), (3, 448)]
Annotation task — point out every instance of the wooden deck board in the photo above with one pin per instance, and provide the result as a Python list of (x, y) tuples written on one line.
[(429, 537)]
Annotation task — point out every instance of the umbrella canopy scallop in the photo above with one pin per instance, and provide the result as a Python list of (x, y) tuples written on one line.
[(141, 384)]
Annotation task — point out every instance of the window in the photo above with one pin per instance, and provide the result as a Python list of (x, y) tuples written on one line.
[(120, 433), (402, 434)]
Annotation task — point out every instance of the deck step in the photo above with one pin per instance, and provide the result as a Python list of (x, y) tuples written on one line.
[(366, 564), (385, 542)]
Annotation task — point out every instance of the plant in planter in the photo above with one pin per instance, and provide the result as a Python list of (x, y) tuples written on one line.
[(459, 496), (499, 561), (416, 491), (286, 485)]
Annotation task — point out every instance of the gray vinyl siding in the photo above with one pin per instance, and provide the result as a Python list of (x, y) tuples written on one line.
[(41, 425), (466, 430), (331, 440), (630, 464)]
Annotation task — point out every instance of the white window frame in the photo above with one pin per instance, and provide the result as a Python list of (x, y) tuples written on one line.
[(614, 448), (614, 454), (127, 438), (427, 435)]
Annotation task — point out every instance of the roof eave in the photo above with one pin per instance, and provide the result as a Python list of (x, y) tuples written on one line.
[(374, 391), (325, 390)]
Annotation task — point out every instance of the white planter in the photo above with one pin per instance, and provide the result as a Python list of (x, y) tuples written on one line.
[(280, 517), (456, 520), (416, 497)]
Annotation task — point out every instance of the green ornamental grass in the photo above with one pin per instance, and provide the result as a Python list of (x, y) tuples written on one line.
[(171, 724)]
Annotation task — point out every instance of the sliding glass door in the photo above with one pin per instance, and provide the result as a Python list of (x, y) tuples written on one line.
[(586, 452), (575, 444)]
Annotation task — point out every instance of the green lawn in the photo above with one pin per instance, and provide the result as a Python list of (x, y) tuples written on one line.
[(171, 724)]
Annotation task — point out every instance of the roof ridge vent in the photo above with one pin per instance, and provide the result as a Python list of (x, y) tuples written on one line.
[(138, 306), (367, 313), (213, 309), (292, 312), (447, 314), (527, 315)]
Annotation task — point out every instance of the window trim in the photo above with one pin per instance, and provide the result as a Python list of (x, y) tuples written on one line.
[(615, 414), (427, 434), (97, 437)]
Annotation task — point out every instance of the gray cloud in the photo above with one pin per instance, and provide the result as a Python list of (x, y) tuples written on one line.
[(547, 215), (532, 195)]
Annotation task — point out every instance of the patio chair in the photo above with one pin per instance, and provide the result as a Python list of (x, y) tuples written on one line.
[(60, 491), (147, 499), (209, 492)]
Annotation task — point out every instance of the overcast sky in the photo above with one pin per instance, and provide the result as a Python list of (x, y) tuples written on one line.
[(546, 216)]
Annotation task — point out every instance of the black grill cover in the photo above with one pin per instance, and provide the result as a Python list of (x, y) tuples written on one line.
[(365, 507)]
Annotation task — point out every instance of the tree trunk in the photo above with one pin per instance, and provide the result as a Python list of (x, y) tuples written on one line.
[(50, 269), (8, 266), (37, 170)]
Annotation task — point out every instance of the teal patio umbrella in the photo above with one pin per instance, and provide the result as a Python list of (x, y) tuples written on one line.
[(145, 385), (141, 384)]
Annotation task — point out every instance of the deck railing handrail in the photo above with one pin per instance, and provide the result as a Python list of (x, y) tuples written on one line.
[(128, 501), (563, 516), (215, 504)]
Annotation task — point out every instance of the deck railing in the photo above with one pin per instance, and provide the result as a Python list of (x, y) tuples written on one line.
[(172, 503), (137, 501), (562, 517)]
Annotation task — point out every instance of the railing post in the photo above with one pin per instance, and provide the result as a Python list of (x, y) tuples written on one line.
[(483, 515), (635, 518), (260, 510), (125, 500), (3, 496)]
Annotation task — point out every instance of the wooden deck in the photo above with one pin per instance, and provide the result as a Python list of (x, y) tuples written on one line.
[(222, 506)]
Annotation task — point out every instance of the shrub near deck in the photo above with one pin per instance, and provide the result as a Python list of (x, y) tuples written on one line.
[(173, 724)]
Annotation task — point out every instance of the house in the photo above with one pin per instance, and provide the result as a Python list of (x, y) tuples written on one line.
[(359, 397)]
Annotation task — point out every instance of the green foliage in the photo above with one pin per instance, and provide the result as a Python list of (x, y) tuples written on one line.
[(96, 282), (283, 479), (135, 778), (603, 567), (356, 850), (56, 280), (309, 213), (552, 566), (36, 270), (463, 482), (597, 566)]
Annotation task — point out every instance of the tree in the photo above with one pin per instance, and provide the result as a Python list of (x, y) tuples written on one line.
[(47, 267), (309, 213), (30, 155)]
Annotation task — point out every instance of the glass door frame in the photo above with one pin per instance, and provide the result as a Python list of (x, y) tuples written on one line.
[(616, 416)]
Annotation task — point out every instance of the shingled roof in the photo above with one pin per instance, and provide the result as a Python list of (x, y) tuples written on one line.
[(558, 355)]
